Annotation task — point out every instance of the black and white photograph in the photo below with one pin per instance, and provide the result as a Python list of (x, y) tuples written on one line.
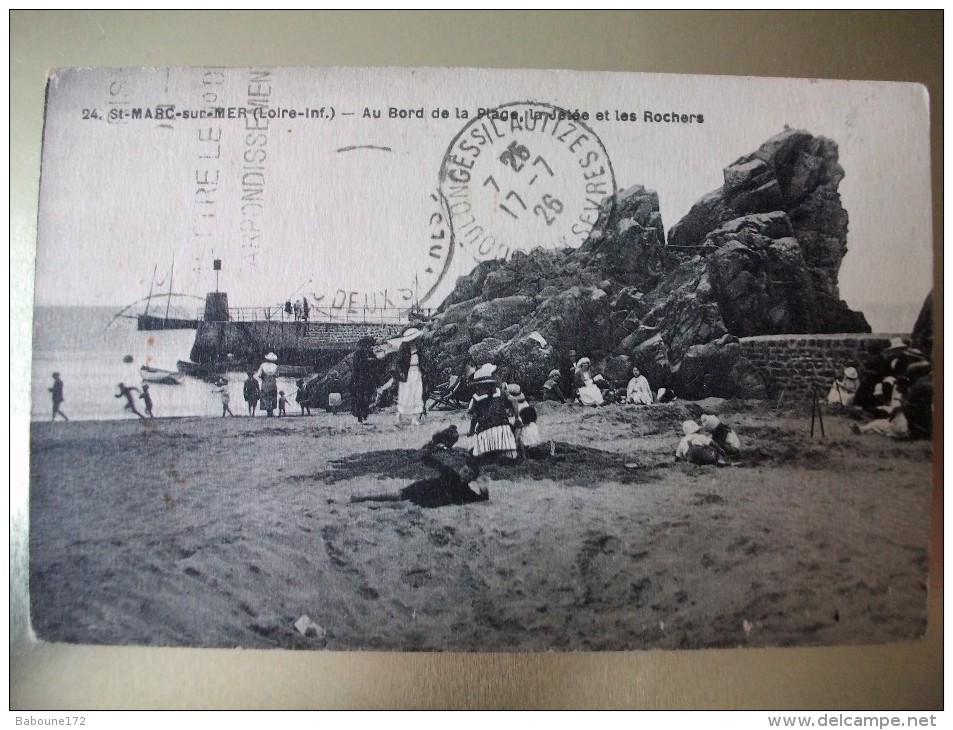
[(469, 360)]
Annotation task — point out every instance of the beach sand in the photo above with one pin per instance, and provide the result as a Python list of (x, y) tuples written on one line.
[(225, 532)]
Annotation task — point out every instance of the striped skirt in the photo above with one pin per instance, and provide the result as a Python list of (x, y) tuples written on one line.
[(499, 439)]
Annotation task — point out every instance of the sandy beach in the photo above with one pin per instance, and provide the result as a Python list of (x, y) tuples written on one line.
[(225, 532)]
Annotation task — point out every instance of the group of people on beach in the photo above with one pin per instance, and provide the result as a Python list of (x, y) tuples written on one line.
[(894, 388), (578, 381)]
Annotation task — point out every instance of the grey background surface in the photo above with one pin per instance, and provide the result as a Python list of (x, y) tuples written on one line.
[(903, 46)]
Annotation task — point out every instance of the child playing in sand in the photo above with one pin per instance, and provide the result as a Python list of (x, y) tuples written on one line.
[(525, 427), (452, 486), (282, 403), (721, 434), (697, 448)]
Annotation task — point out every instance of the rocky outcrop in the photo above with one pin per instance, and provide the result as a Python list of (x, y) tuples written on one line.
[(780, 218), (758, 256)]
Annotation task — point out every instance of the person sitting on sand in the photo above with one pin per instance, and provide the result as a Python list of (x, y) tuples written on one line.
[(126, 392), (844, 391), (895, 427), (893, 421), (587, 392), (452, 486), (444, 439), (638, 391), (252, 392), (552, 388), (146, 399), (696, 447), (721, 434), (490, 410)]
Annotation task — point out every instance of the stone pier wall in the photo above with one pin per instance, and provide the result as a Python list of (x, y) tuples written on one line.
[(792, 364), (295, 343)]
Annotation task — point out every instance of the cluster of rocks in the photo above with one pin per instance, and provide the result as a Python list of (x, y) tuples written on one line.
[(758, 256)]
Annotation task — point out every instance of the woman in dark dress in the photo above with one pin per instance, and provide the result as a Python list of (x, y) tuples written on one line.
[(450, 487), (363, 378), (491, 412)]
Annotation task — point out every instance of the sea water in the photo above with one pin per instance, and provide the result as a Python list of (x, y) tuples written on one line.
[(87, 346)]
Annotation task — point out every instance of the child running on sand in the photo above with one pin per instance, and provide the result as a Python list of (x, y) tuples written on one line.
[(146, 399), (126, 392)]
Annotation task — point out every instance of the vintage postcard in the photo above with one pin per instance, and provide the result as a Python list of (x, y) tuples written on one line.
[(480, 360)]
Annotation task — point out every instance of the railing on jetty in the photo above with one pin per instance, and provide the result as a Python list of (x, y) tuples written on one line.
[(278, 313)]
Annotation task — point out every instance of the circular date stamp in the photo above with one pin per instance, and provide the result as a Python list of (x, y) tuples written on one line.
[(524, 175)]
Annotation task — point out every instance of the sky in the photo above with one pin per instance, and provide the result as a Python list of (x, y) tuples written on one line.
[(344, 207)]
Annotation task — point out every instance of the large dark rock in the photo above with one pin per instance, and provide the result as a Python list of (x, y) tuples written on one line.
[(780, 202), (490, 318), (720, 369)]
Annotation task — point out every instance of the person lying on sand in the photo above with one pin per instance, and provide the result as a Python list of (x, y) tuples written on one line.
[(452, 486)]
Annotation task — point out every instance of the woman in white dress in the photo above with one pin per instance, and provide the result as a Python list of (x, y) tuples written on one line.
[(587, 392), (409, 368)]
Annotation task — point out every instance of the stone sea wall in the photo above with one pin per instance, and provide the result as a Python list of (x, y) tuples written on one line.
[(792, 364)]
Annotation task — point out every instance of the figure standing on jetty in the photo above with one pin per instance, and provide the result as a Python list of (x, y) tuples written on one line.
[(57, 391), (268, 372), (126, 392), (146, 399), (251, 392), (363, 378), (409, 369)]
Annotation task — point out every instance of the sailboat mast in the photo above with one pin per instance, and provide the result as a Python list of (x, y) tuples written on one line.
[(151, 286), (169, 300)]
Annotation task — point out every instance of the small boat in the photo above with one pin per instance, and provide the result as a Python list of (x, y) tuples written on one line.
[(149, 322), (209, 372), (157, 375), (295, 371)]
